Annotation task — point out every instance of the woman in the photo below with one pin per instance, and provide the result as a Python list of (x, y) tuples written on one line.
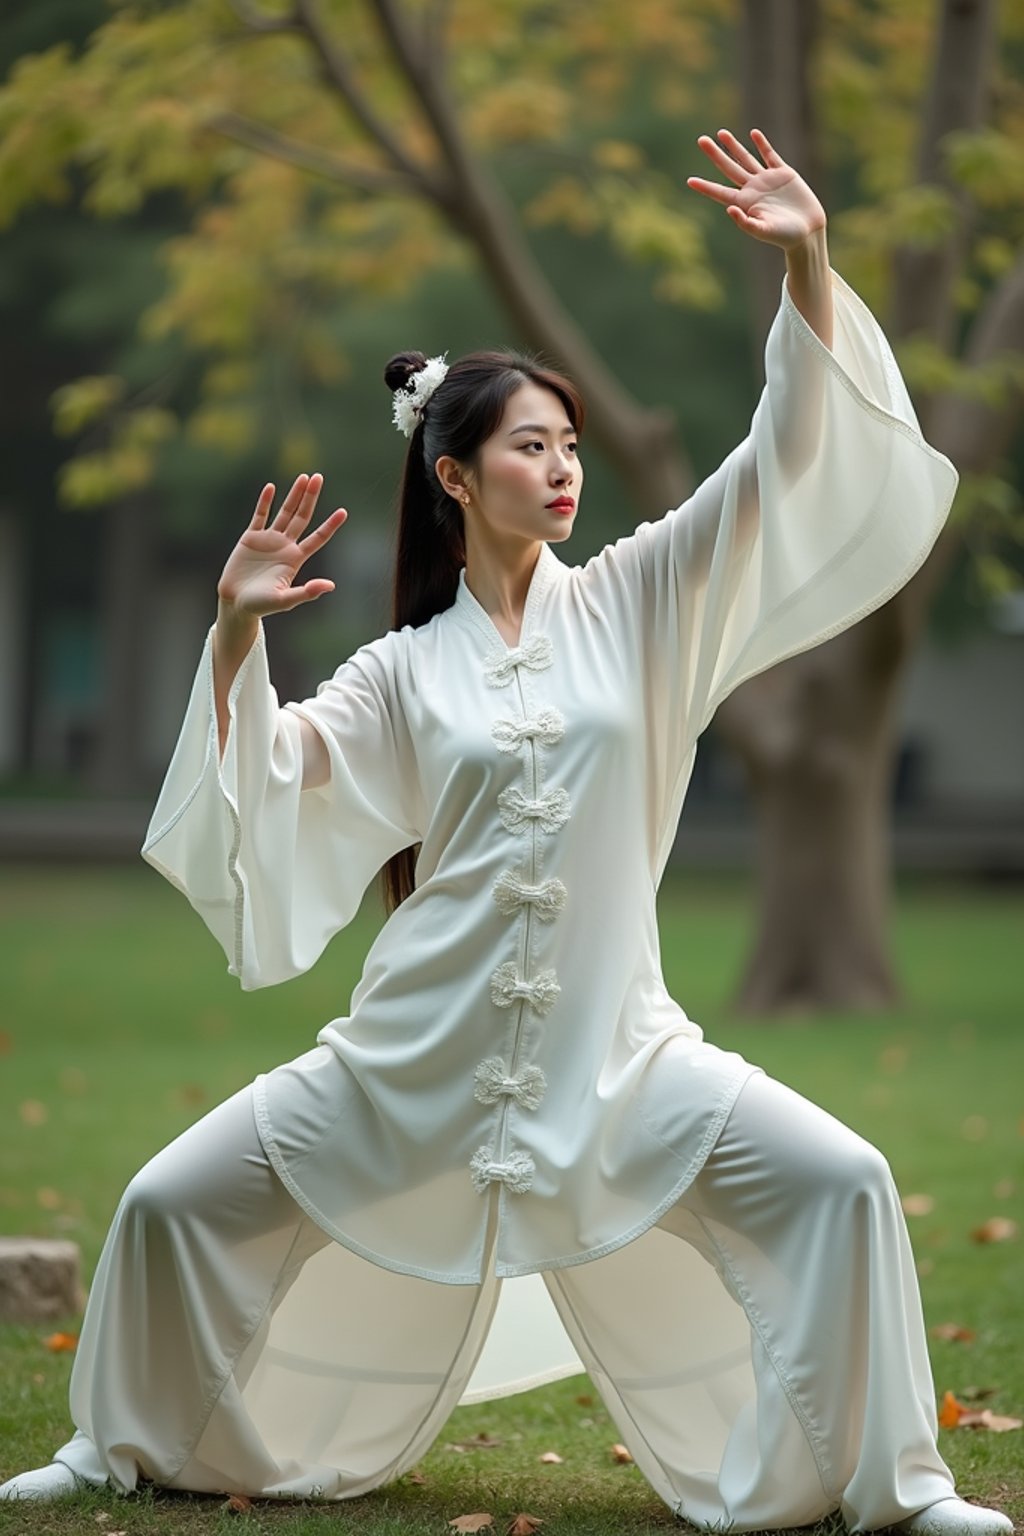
[(514, 1094)]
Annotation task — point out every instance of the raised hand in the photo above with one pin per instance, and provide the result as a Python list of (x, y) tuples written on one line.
[(769, 201), (260, 572)]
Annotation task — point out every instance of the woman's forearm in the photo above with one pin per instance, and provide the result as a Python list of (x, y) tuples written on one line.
[(233, 638), (809, 278)]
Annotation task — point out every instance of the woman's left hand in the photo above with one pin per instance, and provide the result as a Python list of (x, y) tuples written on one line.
[(769, 201)]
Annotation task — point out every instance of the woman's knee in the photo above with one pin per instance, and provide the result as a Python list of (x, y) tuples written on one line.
[(776, 1139), (856, 1167), (152, 1195)]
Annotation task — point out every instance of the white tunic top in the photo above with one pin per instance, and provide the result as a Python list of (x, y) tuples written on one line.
[(511, 1027)]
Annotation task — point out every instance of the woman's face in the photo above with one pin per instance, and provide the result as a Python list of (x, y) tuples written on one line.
[(525, 467)]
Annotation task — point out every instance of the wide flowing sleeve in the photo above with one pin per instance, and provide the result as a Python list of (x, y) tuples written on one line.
[(825, 510), (273, 869)]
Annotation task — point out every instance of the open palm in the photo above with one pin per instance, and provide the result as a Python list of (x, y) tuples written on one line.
[(768, 200), (260, 572)]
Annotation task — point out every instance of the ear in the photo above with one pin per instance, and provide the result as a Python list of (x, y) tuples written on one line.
[(452, 477)]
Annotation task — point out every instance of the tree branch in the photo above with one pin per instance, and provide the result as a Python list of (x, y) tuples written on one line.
[(268, 141), (435, 25), (957, 99), (974, 434), (254, 21), (338, 71), (642, 443), (777, 40)]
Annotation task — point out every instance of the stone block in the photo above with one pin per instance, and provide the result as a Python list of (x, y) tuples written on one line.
[(40, 1279)]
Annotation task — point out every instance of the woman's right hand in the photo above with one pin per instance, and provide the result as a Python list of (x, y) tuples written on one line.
[(261, 569)]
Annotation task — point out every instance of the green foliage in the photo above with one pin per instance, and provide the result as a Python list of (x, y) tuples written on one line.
[(283, 216), (988, 165)]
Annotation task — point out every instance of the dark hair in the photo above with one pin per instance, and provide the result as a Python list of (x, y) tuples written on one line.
[(461, 414)]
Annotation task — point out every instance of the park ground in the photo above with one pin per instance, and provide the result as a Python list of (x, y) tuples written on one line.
[(120, 1027)]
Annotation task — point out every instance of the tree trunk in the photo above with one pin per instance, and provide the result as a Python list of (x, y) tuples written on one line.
[(124, 594), (819, 764)]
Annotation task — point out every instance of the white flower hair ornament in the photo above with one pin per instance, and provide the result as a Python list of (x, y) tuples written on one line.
[(409, 399)]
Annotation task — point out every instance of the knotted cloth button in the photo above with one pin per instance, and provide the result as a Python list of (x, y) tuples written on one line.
[(510, 892), (547, 726), (516, 1171), (516, 811), (527, 1086), (500, 667), (507, 985)]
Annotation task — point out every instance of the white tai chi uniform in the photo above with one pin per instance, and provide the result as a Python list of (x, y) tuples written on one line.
[(514, 1108)]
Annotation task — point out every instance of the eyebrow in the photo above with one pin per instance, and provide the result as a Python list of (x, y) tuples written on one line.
[(532, 426)]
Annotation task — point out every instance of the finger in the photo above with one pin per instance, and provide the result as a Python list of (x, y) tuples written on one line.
[(712, 189), (726, 164), (770, 155), (264, 502), (306, 507), (756, 227), (740, 151), (289, 504), (307, 593), (319, 537)]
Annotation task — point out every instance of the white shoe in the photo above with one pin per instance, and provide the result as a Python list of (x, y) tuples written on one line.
[(54, 1481), (954, 1517)]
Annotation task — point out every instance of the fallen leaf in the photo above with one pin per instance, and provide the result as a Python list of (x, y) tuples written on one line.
[(33, 1112), (524, 1525), (893, 1058), (551, 1456), (954, 1333), (102, 1517), (925, 1267), (585, 1400), (61, 1343), (239, 1504), (998, 1423), (951, 1412), (998, 1229), (190, 1093), (620, 1453), (481, 1442), (974, 1128), (478, 1522), (49, 1199), (6, 1043), (1005, 1189), (417, 1477), (73, 1080), (918, 1205)]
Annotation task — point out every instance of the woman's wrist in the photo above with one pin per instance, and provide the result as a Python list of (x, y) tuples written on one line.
[(236, 631), (809, 280), (810, 252)]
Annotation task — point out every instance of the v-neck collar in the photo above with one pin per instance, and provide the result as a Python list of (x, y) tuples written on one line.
[(476, 613)]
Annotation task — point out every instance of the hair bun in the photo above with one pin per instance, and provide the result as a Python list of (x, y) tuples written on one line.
[(400, 369)]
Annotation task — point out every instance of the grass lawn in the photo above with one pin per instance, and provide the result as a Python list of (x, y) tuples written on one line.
[(120, 1027)]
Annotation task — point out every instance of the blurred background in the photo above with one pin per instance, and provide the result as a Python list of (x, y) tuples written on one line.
[(220, 217)]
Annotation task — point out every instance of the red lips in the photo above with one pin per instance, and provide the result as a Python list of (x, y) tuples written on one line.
[(562, 502)]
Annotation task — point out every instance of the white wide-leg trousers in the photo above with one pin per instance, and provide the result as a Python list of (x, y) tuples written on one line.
[(761, 1350)]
